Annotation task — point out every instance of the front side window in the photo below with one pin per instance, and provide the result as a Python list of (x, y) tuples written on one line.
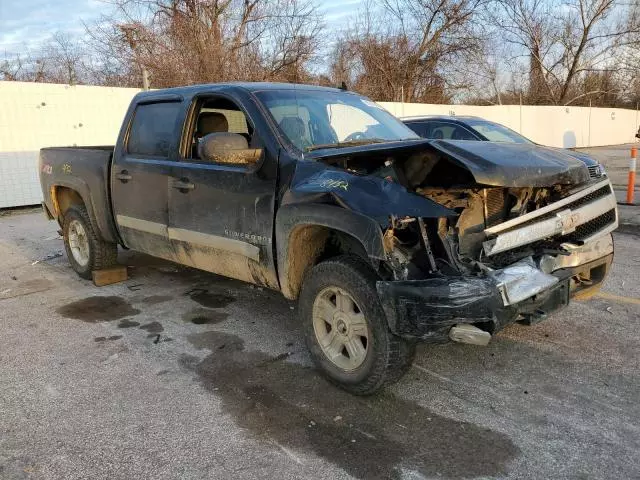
[(313, 120), (419, 127), (152, 129), (448, 131), (439, 130), (223, 117)]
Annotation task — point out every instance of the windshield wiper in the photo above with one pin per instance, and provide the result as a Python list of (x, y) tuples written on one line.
[(351, 143)]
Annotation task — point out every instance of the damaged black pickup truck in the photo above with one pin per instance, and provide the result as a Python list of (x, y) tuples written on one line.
[(384, 238)]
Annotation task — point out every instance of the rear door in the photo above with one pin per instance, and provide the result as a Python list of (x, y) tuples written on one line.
[(140, 175), (221, 214)]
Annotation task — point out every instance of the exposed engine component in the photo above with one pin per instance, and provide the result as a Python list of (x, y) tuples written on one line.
[(488, 233), (409, 249), (427, 246)]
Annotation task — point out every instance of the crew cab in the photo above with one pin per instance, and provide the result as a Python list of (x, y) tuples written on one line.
[(385, 239)]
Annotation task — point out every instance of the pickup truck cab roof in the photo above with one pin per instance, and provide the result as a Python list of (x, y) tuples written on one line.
[(190, 90), (451, 118)]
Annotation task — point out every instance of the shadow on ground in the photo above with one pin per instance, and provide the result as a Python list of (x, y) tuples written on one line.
[(292, 407)]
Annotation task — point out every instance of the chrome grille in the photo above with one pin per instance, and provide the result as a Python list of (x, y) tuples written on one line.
[(595, 171), (586, 214), (603, 192), (592, 227)]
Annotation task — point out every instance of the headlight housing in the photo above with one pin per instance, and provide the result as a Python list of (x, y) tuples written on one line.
[(603, 172)]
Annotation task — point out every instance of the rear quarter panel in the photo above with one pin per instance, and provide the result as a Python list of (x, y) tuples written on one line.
[(86, 171)]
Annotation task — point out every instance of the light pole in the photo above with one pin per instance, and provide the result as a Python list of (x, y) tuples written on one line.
[(129, 31)]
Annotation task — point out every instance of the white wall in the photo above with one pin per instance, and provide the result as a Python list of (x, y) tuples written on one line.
[(564, 127), (36, 115)]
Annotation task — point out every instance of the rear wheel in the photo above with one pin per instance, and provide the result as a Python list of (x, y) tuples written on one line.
[(346, 329), (85, 249)]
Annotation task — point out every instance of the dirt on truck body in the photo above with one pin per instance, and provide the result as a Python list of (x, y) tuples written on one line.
[(385, 239)]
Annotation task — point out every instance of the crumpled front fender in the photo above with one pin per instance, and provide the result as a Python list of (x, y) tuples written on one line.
[(374, 197)]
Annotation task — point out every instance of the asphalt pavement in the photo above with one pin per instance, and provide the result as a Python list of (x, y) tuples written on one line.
[(177, 373)]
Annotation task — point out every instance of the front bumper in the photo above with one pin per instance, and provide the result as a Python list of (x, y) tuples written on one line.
[(525, 291)]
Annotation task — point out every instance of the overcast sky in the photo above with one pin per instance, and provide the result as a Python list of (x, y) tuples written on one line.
[(25, 23)]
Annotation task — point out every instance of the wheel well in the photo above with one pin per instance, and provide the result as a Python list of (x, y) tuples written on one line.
[(63, 198), (309, 245)]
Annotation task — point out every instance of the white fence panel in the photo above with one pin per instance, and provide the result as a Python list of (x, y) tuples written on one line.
[(36, 115)]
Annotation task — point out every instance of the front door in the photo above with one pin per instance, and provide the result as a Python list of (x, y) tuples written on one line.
[(140, 178), (221, 215)]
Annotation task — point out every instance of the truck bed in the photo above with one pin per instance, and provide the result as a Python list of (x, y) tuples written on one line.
[(86, 170)]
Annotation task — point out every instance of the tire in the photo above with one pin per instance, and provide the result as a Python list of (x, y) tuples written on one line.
[(387, 356), (96, 253)]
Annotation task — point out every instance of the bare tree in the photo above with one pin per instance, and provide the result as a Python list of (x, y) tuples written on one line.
[(66, 57), (402, 50), (196, 41), (60, 59), (566, 43), (291, 45), (573, 52), (11, 68), (489, 77)]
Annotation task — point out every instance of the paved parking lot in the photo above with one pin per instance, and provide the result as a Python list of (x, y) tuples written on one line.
[(615, 158), (181, 374)]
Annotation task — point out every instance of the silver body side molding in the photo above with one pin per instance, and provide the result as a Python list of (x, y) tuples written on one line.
[(230, 245)]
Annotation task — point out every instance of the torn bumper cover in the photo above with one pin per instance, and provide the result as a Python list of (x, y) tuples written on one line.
[(520, 281), (427, 309)]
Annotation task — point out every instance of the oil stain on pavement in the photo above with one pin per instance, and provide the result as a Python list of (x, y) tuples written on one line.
[(107, 339), (156, 299), (210, 300), (203, 316), (126, 323), (152, 327), (373, 437), (215, 341), (98, 309)]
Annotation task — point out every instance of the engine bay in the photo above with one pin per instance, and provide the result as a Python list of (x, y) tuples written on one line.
[(420, 248)]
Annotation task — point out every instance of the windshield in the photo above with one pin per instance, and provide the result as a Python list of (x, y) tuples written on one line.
[(324, 119), (496, 132)]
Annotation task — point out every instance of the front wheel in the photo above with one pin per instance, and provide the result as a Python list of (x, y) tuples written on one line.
[(346, 329)]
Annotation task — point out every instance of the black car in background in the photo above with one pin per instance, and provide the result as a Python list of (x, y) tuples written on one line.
[(446, 127), (462, 128)]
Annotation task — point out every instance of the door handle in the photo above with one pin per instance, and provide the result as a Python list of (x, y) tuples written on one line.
[(184, 185), (123, 176)]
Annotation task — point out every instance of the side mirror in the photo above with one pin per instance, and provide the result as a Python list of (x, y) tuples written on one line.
[(224, 147)]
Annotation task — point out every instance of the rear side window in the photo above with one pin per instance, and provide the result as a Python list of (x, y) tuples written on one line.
[(152, 129)]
